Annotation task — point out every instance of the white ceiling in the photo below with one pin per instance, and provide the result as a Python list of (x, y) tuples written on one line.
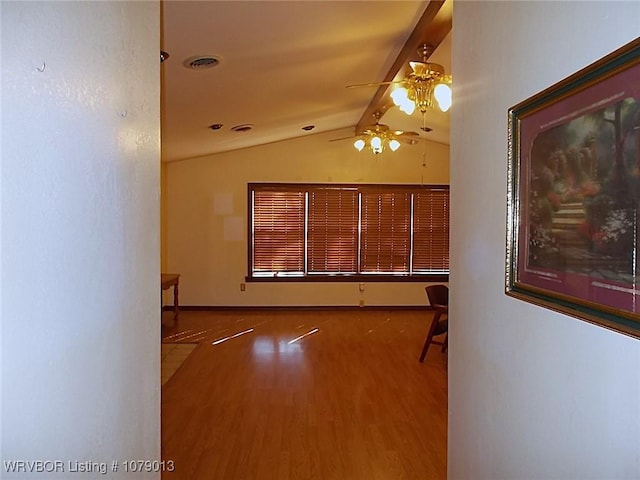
[(283, 65)]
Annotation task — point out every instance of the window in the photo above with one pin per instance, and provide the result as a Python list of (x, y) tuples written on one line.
[(333, 231), (348, 232), (278, 232)]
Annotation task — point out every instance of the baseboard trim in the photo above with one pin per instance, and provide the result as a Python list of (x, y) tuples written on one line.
[(297, 307)]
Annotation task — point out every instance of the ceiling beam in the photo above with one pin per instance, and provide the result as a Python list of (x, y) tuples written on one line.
[(432, 28)]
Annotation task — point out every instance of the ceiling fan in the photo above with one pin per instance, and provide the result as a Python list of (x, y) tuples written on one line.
[(380, 137), (426, 85)]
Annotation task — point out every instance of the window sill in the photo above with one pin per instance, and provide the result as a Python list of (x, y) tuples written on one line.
[(352, 279)]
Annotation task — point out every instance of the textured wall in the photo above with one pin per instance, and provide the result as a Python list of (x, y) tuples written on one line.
[(532, 394), (80, 233)]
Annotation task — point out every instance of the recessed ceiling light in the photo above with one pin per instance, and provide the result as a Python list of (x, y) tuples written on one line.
[(215, 126), (245, 127), (201, 62), (426, 129), (308, 127)]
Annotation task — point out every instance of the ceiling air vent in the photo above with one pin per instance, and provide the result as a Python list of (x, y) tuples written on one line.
[(202, 62), (245, 127)]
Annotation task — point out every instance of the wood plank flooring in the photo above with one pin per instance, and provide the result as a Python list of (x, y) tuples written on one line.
[(279, 399)]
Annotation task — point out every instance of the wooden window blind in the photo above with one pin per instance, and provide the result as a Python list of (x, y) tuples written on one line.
[(385, 231), (278, 232), (332, 230), (342, 232), (431, 231)]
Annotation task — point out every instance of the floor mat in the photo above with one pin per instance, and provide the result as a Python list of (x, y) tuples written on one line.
[(172, 356)]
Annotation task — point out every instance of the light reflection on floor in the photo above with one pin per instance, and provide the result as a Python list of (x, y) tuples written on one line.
[(315, 330), (188, 336), (266, 348), (224, 339)]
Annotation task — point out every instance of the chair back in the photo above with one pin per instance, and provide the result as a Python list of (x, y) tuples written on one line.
[(437, 294)]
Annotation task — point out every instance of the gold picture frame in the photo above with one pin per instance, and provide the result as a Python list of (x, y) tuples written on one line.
[(573, 194)]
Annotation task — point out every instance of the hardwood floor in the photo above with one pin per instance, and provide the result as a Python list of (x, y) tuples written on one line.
[(348, 401)]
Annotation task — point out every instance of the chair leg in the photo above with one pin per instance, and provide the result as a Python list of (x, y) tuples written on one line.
[(445, 345), (424, 349), (427, 342)]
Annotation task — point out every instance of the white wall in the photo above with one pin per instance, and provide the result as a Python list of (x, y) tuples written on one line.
[(80, 233), (532, 394), (207, 197)]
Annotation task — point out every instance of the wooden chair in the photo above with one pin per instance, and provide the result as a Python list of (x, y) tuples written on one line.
[(438, 296)]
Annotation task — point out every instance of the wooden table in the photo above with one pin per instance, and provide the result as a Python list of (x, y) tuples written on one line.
[(168, 280)]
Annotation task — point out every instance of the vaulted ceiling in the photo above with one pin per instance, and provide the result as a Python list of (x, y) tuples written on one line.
[(283, 66)]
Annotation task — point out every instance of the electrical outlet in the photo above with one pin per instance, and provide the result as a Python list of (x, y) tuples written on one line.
[(361, 287), (243, 287), (362, 303)]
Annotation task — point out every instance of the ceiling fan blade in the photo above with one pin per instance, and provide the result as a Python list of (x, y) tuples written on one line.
[(374, 84), (411, 138), (380, 129)]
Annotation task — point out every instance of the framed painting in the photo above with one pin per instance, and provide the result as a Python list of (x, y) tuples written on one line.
[(573, 194)]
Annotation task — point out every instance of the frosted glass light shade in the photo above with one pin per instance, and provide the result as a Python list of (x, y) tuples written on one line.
[(376, 145), (442, 93)]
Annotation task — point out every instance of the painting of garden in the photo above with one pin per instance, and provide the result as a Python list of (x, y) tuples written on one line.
[(583, 192)]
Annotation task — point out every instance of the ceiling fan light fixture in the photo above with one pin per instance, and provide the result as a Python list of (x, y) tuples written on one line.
[(378, 138), (426, 86), (377, 142)]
